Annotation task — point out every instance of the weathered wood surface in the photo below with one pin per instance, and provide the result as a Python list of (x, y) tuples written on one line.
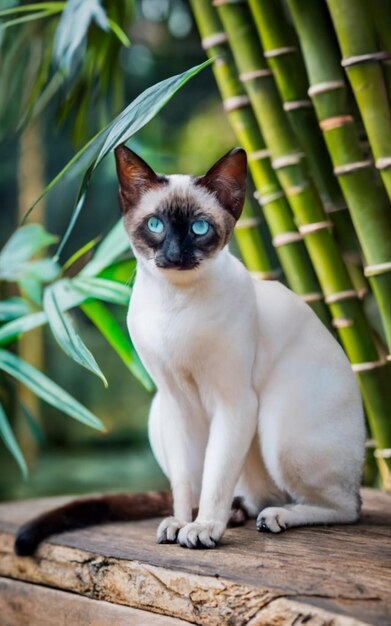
[(334, 576)]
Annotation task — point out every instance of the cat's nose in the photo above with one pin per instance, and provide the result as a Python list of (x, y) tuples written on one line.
[(173, 252)]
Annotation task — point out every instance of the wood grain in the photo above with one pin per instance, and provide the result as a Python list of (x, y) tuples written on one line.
[(339, 573), (26, 604)]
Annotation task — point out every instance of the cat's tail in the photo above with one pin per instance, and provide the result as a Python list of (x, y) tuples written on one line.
[(91, 511)]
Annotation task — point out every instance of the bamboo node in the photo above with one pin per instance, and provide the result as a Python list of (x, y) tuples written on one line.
[(308, 229), (285, 238), (292, 105), (267, 198), (382, 453), (383, 163), (370, 443), (365, 58), (253, 74), (213, 40), (269, 275), (330, 85), (287, 159), (257, 155), (312, 297), (219, 3), (296, 189), (276, 52), (235, 102), (388, 357), (248, 222), (379, 268), (341, 295), (331, 207), (342, 322), (349, 168), (330, 123), (367, 366)]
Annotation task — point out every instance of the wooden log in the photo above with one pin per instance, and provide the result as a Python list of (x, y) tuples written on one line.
[(337, 575)]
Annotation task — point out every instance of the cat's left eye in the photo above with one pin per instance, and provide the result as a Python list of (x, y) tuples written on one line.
[(200, 227)]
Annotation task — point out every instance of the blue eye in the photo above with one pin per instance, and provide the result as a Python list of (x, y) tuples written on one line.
[(155, 225), (200, 227)]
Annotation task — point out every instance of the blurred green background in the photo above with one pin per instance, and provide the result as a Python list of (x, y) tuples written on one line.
[(187, 136)]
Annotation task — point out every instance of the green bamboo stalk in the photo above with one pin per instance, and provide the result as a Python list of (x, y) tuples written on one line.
[(356, 35), (354, 330), (283, 57), (381, 13), (292, 256), (251, 245), (368, 204)]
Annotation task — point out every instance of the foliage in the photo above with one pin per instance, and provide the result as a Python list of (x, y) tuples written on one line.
[(66, 49)]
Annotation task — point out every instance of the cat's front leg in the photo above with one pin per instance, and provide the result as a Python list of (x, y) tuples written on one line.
[(169, 441), (231, 433)]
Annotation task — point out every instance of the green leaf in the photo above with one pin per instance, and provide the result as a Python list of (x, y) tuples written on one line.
[(22, 245), (71, 34), (119, 341), (47, 390), (10, 331), (34, 426), (65, 334), (12, 308), (9, 439), (111, 248), (79, 253), (122, 271), (103, 289), (38, 6), (119, 33), (125, 125)]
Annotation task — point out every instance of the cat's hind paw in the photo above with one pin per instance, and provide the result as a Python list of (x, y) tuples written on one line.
[(168, 530), (272, 520), (200, 534)]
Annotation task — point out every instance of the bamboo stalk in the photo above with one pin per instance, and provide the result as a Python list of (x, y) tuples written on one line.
[(356, 35), (346, 309), (381, 13), (283, 57), (368, 204), (292, 255)]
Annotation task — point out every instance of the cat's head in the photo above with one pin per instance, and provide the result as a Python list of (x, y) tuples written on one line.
[(177, 222)]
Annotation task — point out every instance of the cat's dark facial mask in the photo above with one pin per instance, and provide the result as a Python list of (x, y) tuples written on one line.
[(178, 221)]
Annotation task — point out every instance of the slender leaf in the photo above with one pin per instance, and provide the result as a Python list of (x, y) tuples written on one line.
[(70, 38), (34, 427), (10, 331), (12, 308), (65, 334), (103, 289), (112, 247), (9, 439), (113, 333), (46, 389), (22, 245), (121, 271), (79, 253), (38, 6), (119, 33), (132, 119)]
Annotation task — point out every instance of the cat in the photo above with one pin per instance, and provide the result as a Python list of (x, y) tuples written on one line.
[(257, 411)]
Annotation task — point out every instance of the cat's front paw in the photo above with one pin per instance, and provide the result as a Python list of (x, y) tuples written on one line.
[(200, 534), (168, 530), (272, 519)]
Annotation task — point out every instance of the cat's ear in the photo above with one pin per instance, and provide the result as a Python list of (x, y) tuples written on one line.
[(135, 177), (227, 180)]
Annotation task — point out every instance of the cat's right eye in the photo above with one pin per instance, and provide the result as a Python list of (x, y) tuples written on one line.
[(155, 225)]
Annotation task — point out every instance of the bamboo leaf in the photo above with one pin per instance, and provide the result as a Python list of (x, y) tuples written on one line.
[(38, 6), (65, 334), (133, 118), (9, 440), (13, 308), (79, 253), (121, 271), (47, 390), (22, 245), (119, 341), (70, 38), (103, 289), (119, 33), (111, 248)]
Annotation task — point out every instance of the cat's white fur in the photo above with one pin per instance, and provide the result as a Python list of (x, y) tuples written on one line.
[(255, 398)]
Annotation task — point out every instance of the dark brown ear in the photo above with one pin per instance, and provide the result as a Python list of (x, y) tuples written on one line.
[(227, 179), (135, 177)]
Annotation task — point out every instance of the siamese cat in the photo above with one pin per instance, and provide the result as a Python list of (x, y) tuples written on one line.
[(257, 412)]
